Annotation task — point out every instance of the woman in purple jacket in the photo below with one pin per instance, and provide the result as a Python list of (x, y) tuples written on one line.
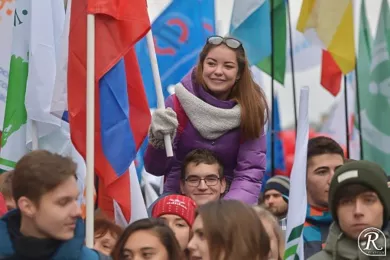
[(219, 107)]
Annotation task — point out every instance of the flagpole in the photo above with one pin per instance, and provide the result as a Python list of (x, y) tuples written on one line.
[(34, 135), (292, 66), (272, 91), (158, 87), (90, 129), (346, 115), (358, 111)]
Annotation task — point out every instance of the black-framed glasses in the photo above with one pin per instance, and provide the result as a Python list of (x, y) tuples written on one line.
[(230, 42), (194, 181)]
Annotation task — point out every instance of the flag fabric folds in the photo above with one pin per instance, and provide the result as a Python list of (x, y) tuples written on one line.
[(13, 139), (374, 95), (363, 67), (278, 150), (330, 22), (138, 209), (279, 163), (59, 103), (330, 74), (278, 43), (31, 78), (179, 33), (251, 24), (298, 199), (122, 113)]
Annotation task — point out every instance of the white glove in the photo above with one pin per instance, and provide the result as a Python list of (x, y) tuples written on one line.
[(164, 121)]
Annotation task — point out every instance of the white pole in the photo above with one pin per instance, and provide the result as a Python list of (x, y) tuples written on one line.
[(90, 129), (34, 135), (157, 84), (218, 29)]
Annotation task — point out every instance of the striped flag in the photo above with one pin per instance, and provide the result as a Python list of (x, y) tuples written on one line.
[(297, 200), (122, 113), (330, 23)]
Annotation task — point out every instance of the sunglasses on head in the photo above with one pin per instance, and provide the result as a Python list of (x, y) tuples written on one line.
[(230, 42)]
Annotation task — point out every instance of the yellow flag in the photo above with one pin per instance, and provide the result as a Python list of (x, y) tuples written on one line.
[(332, 21)]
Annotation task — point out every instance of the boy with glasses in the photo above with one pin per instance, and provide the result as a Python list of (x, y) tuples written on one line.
[(202, 177)]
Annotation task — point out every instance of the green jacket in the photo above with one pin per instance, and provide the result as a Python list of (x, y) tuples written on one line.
[(340, 247)]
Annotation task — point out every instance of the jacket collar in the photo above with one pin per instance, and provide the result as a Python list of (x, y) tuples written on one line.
[(342, 247), (71, 248), (318, 216)]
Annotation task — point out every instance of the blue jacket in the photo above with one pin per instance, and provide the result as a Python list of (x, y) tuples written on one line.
[(73, 249)]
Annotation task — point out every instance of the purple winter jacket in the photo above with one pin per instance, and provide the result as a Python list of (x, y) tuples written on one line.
[(244, 163)]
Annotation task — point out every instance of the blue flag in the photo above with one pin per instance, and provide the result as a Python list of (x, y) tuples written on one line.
[(279, 161), (251, 24), (180, 33)]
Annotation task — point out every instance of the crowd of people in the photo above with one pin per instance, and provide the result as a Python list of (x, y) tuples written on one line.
[(211, 207), (43, 219)]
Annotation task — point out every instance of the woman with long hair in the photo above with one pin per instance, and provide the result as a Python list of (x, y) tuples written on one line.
[(147, 239), (274, 232), (217, 106), (228, 230)]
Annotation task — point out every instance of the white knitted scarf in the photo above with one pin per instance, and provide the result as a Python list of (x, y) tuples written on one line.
[(210, 121)]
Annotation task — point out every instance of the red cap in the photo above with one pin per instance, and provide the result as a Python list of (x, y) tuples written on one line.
[(3, 205), (179, 205)]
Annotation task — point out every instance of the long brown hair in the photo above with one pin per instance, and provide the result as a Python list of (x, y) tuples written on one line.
[(162, 231), (233, 230), (247, 93)]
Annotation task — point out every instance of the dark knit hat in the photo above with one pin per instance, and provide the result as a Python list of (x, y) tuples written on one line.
[(365, 173), (178, 205), (279, 183)]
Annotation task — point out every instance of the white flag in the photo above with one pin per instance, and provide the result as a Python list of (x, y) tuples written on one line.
[(297, 200), (138, 208)]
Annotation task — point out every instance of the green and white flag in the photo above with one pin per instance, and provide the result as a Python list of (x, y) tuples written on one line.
[(13, 139), (38, 64), (297, 204), (37, 27), (6, 26), (374, 91)]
